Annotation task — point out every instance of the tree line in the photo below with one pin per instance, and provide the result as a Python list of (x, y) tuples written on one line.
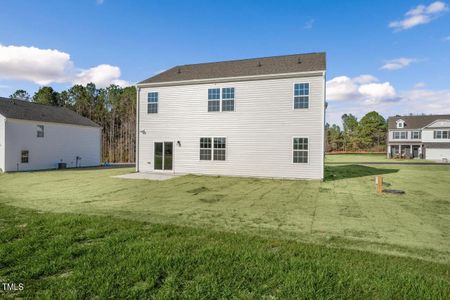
[(113, 108), (367, 134)]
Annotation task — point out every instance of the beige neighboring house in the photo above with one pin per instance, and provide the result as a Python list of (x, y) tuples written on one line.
[(422, 137), (260, 117), (37, 137)]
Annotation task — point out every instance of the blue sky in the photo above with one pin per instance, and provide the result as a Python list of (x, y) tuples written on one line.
[(391, 56)]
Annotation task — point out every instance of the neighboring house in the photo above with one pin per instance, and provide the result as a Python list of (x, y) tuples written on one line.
[(261, 117), (36, 137), (426, 137)]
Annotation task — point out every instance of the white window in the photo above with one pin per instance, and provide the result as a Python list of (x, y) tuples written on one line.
[(152, 104), (400, 124), (40, 131), (300, 150), (205, 148), (301, 95), (213, 99), (212, 148), (218, 101), (24, 156), (442, 134), (415, 135), (400, 135)]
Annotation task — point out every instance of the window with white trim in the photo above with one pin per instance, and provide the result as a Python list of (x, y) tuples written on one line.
[(416, 135), (400, 124), (40, 131), (441, 134), (400, 135), (213, 99), (24, 156), (301, 95), (152, 104), (228, 99), (221, 99), (213, 148), (205, 148), (300, 150), (219, 148)]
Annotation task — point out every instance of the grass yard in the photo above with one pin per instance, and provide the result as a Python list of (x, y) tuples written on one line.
[(69, 256), (370, 157), (225, 236)]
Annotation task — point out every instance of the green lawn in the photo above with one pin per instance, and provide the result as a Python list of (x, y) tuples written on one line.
[(68, 256), (405, 240), (370, 157)]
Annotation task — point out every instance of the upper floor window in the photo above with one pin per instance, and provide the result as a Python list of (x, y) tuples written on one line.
[(415, 135), (213, 99), (40, 131), (442, 134), (300, 150), (218, 101), (212, 148), (301, 95), (152, 105), (400, 135), (400, 124)]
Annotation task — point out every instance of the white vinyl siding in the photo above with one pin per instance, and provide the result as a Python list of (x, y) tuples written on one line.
[(2, 143), (62, 143), (259, 133)]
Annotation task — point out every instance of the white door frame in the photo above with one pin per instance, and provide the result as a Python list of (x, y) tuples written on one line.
[(163, 148)]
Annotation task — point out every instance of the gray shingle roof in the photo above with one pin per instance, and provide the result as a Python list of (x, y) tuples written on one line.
[(24, 110), (415, 122), (245, 67)]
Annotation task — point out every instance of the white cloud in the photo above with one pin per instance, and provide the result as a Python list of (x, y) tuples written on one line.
[(398, 63), (426, 101), (102, 76), (364, 88), (41, 66), (45, 66), (419, 15)]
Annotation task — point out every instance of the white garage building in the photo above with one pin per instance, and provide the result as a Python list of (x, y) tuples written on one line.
[(38, 137)]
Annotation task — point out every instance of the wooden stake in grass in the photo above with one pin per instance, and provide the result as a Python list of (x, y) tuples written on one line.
[(379, 183)]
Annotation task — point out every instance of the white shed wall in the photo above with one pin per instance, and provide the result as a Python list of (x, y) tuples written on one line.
[(61, 142), (259, 132), (2, 143)]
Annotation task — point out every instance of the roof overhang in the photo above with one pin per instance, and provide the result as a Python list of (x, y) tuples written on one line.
[(233, 79)]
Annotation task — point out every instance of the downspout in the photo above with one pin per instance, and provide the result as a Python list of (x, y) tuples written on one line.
[(138, 90)]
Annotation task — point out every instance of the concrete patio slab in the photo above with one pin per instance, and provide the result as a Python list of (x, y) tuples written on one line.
[(147, 176)]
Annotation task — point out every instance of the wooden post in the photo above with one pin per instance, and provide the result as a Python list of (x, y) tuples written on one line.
[(379, 183)]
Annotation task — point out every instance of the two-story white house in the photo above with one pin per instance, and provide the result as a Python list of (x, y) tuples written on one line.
[(37, 137), (261, 117), (426, 137)]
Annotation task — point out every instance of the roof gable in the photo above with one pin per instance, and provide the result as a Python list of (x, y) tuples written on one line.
[(24, 110), (246, 67), (415, 122)]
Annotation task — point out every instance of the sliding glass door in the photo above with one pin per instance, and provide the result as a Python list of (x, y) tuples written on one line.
[(163, 155)]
